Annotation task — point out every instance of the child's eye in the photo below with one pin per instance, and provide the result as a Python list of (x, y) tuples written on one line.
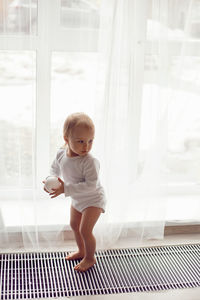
[(81, 142), (90, 141)]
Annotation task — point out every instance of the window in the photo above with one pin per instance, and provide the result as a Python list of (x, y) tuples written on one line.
[(76, 14), (73, 82), (48, 57), (177, 82), (53, 49), (18, 17), (17, 87)]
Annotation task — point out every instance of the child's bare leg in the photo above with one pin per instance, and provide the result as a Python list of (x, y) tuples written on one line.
[(75, 220), (89, 218)]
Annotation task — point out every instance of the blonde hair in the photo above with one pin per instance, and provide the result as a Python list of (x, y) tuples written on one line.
[(75, 120)]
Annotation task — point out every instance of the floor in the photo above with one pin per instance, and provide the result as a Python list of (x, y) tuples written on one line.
[(189, 294), (182, 294)]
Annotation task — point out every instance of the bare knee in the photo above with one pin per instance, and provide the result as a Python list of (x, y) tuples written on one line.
[(85, 232)]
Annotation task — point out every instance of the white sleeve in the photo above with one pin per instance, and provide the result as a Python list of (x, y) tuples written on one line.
[(55, 167), (91, 175)]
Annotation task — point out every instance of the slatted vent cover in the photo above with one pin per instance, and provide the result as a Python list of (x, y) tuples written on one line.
[(47, 275)]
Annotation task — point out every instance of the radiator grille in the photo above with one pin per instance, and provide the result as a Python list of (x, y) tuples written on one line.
[(49, 275)]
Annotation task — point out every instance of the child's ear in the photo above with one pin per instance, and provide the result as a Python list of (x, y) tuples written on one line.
[(66, 139)]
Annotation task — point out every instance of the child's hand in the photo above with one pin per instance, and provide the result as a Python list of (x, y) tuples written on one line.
[(44, 181), (58, 191)]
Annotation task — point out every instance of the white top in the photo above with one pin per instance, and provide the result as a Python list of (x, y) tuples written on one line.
[(81, 178)]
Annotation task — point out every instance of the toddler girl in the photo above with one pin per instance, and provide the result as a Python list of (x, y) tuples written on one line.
[(80, 173)]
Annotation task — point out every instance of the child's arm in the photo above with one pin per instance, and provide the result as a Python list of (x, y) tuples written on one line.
[(91, 174), (55, 169)]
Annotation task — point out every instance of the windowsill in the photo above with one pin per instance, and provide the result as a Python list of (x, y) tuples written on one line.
[(65, 239), (171, 227)]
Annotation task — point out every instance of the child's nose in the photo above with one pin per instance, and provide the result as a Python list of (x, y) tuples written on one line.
[(85, 145)]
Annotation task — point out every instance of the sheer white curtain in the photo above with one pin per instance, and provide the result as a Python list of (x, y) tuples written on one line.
[(135, 202), (148, 130), (29, 219), (131, 65)]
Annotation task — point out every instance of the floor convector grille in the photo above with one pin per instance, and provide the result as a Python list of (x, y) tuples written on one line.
[(49, 275)]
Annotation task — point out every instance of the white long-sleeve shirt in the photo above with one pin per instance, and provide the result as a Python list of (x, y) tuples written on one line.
[(81, 179)]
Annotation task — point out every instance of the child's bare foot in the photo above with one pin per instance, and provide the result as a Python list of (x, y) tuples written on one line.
[(85, 264), (75, 255)]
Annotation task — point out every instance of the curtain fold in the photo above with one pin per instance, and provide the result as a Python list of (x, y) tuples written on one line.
[(135, 204)]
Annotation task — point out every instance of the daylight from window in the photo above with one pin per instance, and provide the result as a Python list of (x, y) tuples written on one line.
[(73, 77)]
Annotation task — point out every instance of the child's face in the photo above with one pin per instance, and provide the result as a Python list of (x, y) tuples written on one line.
[(80, 141)]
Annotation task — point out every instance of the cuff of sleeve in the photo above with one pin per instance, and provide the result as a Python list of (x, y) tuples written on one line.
[(66, 190)]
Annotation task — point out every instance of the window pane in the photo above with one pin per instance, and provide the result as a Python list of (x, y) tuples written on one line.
[(73, 89), (17, 89), (18, 17), (171, 88), (181, 96), (80, 13), (177, 23)]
